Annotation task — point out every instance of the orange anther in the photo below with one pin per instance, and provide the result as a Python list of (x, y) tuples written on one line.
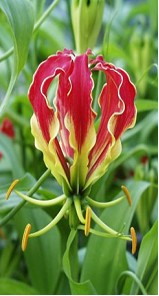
[(134, 240), (88, 221), (10, 189), (127, 194), (26, 236)]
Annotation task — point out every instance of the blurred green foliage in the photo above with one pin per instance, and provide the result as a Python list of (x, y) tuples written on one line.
[(30, 32)]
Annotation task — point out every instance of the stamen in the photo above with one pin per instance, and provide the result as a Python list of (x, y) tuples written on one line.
[(127, 194), (42, 203), (10, 189), (104, 226), (134, 240), (88, 221), (104, 204), (26, 236), (57, 218), (104, 234)]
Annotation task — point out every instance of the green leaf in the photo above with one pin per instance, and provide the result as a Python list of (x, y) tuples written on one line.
[(147, 262), (20, 17), (13, 287), (83, 288), (9, 259), (106, 258), (43, 254), (129, 276), (7, 148), (146, 105), (24, 185)]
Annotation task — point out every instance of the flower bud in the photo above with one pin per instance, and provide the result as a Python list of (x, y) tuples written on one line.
[(86, 20)]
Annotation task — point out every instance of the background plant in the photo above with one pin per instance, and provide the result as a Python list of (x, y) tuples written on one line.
[(30, 31)]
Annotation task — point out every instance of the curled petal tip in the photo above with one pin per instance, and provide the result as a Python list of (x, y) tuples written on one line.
[(127, 194), (26, 236), (10, 189), (134, 240), (88, 221)]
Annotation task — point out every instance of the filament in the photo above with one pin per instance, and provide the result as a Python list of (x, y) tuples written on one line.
[(43, 203), (103, 225), (54, 221), (104, 204)]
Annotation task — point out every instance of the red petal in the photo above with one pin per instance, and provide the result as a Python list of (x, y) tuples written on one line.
[(54, 65), (80, 99), (38, 89), (78, 117), (117, 104)]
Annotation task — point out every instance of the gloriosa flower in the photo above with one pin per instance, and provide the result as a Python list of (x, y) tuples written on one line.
[(73, 150), (77, 145)]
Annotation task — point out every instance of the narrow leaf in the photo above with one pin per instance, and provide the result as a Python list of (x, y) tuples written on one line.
[(7, 148), (20, 17), (146, 105), (14, 287), (43, 253), (83, 288), (147, 259), (109, 256)]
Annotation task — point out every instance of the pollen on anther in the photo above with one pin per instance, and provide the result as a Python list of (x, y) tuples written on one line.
[(10, 189), (25, 236), (127, 194), (88, 221), (134, 240)]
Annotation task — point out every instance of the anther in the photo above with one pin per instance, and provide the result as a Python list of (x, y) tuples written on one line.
[(88, 221), (10, 189), (134, 240), (26, 236), (127, 194)]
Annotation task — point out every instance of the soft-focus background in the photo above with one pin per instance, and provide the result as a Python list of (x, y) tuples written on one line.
[(127, 38)]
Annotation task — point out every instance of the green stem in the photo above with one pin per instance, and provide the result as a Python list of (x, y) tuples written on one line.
[(6, 54), (39, 182), (146, 71), (54, 221), (37, 25), (21, 204), (45, 14)]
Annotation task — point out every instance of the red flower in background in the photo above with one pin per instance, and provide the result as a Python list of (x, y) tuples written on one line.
[(7, 128), (1, 155)]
